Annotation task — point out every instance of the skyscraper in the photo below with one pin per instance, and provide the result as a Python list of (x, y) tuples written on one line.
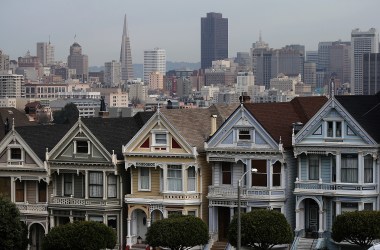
[(112, 73), (371, 73), (78, 62), (45, 52), (154, 60), (125, 55), (214, 39), (361, 42)]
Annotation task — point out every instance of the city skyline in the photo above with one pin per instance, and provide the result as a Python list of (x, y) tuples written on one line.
[(175, 27)]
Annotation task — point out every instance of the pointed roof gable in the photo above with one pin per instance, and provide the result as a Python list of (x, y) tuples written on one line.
[(365, 109), (194, 125), (278, 118)]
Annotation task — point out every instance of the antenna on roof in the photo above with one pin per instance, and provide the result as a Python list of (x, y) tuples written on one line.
[(332, 86), (13, 123)]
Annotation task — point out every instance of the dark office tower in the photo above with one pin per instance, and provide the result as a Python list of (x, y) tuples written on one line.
[(76, 60), (371, 73), (214, 39), (125, 55)]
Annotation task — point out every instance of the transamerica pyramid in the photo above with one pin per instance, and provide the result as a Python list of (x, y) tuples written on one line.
[(125, 55)]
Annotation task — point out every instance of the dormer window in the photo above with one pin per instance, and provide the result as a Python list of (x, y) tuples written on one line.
[(16, 154), (82, 147), (160, 139), (244, 135), (334, 129)]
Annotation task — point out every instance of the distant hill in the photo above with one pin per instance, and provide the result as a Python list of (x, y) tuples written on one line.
[(138, 68)]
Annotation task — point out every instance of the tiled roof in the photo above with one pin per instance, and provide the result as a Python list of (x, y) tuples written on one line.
[(278, 118), (113, 133), (365, 109), (43, 136), (194, 125)]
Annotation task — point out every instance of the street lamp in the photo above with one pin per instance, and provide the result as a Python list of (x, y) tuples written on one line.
[(253, 170)]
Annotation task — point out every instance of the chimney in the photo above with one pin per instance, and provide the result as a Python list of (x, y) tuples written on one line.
[(103, 111), (245, 99), (213, 124)]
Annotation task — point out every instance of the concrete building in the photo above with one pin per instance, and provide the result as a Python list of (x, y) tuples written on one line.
[(285, 83), (86, 107), (208, 92), (361, 42), (126, 55), (4, 61), (324, 55), (244, 81), (154, 60), (76, 60), (11, 85), (214, 39), (156, 81), (371, 73), (138, 91), (44, 90), (340, 61), (310, 73), (112, 74), (312, 56), (45, 52)]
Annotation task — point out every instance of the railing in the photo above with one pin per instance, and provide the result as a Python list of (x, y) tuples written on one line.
[(231, 192), (320, 187), (71, 201), (297, 237), (32, 208), (181, 196)]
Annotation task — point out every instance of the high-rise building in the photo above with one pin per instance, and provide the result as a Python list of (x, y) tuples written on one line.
[(11, 85), (112, 74), (340, 61), (156, 81), (78, 62), (126, 55), (154, 60), (324, 55), (45, 52), (361, 42), (4, 61), (289, 60), (371, 73), (214, 39), (312, 56), (310, 73)]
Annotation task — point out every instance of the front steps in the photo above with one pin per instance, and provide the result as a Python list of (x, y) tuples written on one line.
[(306, 244), (219, 245)]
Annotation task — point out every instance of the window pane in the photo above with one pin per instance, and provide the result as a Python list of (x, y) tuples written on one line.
[(82, 147), (112, 186), (42, 191), (175, 178), (226, 173), (191, 179), (144, 178), (160, 139), (276, 181), (244, 135), (330, 129), (338, 131), (313, 167), (68, 184), (96, 185), (368, 169), (260, 178), (19, 191), (5, 187), (349, 168), (16, 153)]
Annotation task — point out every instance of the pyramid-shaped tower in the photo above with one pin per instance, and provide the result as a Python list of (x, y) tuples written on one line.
[(125, 55)]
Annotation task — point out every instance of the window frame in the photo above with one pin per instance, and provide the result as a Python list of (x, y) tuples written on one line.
[(193, 178), (140, 179), (336, 130), (64, 182), (111, 185), (176, 168), (77, 145), (342, 169), (158, 134), (309, 172), (10, 154), (95, 185), (20, 186), (244, 134)]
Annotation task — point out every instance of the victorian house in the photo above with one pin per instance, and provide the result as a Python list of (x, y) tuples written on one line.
[(338, 170), (167, 166), (255, 136)]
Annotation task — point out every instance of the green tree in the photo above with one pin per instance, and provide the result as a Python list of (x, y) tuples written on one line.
[(359, 228), (69, 114), (13, 232), (261, 229), (86, 235), (178, 232)]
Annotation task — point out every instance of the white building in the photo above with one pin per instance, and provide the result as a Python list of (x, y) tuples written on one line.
[(112, 73), (154, 60), (310, 73), (156, 80), (45, 52), (207, 92), (284, 83), (11, 85), (244, 81), (139, 91), (361, 42)]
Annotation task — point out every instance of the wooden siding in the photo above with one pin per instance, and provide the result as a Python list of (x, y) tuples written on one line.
[(28, 158), (78, 186), (326, 168), (205, 180), (154, 181), (31, 192), (290, 171), (304, 165)]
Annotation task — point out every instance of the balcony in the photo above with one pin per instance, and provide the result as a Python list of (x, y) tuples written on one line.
[(25, 208), (165, 198), (254, 193), (80, 202), (335, 189)]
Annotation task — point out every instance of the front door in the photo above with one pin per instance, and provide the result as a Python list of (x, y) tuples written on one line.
[(223, 222), (312, 217)]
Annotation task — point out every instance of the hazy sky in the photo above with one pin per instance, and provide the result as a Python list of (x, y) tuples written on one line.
[(174, 25)]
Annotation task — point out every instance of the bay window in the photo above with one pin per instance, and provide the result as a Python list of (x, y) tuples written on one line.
[(144, 179), (349, 168), (191, 179), (260, 177), (368, 169), (96, 184), (313, 167), (174, 177)]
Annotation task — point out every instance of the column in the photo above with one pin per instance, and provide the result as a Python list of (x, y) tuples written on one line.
[(86, 184), (164, 178), (51, 217), (210, 220), (104, 185), (129, 240), (71, 216), (338, 208), (360, 168), (249, 175), (232, 212), (298, 220), (13, 189), (320, 230), (338, 166), (270, 174)]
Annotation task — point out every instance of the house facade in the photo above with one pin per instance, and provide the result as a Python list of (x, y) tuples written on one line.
[(338, 170)]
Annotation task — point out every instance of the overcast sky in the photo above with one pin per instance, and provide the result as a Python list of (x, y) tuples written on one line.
[(174, 25)]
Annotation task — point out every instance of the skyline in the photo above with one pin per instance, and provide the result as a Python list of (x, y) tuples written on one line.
[(98, 26)]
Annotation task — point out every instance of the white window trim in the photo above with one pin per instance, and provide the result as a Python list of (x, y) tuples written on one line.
[(334, 121), (154, 133), (139, 181), (182, 178), (245, 140), (319, 170), (195, 178), (63, 184), (10, 147), (88, 147)]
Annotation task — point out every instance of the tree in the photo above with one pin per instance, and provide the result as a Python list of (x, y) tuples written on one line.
[(178, 232), (86, 235), (69, 114), (261, 229), (13, 232), (359, 228)]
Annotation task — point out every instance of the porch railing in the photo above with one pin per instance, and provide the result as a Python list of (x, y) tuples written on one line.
[(71, 201), (321, 187), (32, 208), (231, 192)]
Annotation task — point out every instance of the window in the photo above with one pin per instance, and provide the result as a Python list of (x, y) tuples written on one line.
[(368, 169), (192, 213), (82, 147), (349, 168), (160, 139), (5, 187), (20, 194), (349, 207), (244, 134), (368, 206), (144, 179), (226, 173), (96, 218), (334, 129), (259, 178), (16, 154), (96, 185), (191, 179), (112, 186), (175, 178), (313, 167), (276, 178), (112, 222), (68, 184), (41, 191)]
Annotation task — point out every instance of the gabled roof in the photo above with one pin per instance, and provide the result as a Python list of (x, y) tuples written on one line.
[(113, 133), (278, 118), (20, 119), (194, 125), (365, 109), (42, 136)]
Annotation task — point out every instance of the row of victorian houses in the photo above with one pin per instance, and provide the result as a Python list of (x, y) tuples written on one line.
[(316, 158)]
